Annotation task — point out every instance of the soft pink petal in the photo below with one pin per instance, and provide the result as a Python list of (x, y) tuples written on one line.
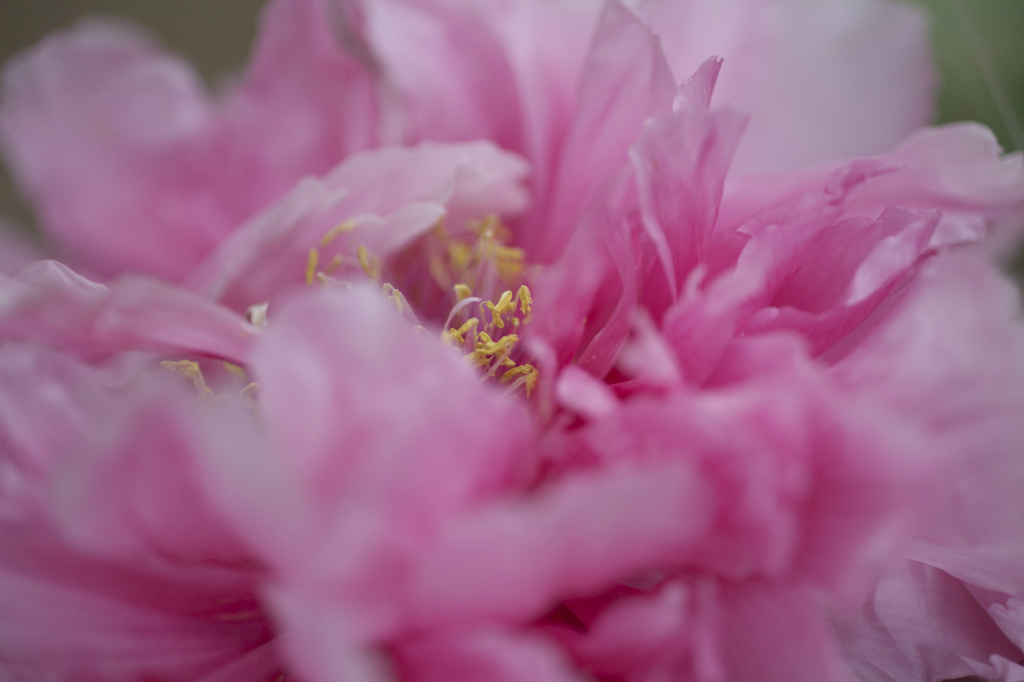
[(392, 195), (67, 617), (958, 169), (573, 538), (680, 162), (509, 72), (447, 94), (114, 567), (46, 302), (625, 81), (949, 358), (375, 436), (822, 80), (133, 167), (918, 623)]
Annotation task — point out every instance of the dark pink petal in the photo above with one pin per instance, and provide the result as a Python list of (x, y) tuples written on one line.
[(777, 633), (482, 655), (646, 634)]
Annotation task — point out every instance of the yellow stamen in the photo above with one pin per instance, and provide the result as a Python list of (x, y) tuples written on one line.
[(460, 333), (525, 299), (518, 371), (339, 229), (250, 398), (311, 265), (462, 292), (336, 262), (395, 296), (369, 264), (189, 369), (504, 305), (235, 370)]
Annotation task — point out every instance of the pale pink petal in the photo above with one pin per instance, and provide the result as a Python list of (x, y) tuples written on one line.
[(48, 303), (547, 44), (958, 169), (68, 617), (509, 72), (918, 623), (133, 167), (625, 81), (998, 669), (138, 495), (375, 436), (949, 359), (851, 269), (822, 80), (449, 95), (392, 195), (821, 499), (114, 567), (606, 332)]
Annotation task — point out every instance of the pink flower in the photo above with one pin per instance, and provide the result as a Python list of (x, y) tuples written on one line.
[(613, 369)]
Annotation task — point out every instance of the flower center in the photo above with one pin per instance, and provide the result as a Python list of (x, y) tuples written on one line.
[(475, 278)]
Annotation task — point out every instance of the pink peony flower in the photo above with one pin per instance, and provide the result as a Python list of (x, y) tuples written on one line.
[(508, 341)]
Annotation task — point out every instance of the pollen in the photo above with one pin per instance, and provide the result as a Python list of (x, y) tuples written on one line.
[(336, 231), (491, 347), (480, 258), (312, 265), (189, 369)]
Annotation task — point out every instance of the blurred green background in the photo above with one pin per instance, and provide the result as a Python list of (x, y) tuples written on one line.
[(215, 35)]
